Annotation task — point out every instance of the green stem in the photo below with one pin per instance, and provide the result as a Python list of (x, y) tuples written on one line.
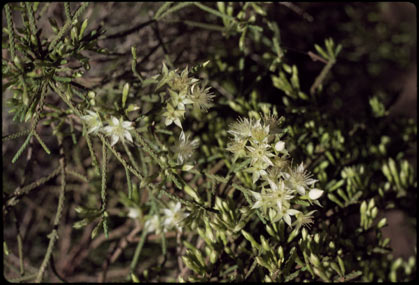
[(53, 236), (140, 245), (319, 79), (11, 30)]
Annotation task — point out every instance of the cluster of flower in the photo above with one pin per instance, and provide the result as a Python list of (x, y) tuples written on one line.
[(171, 218), (183, 90), (116, 129), (258, 140)]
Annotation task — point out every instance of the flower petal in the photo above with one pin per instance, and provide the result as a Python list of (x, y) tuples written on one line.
[(301, 190), (315, 194), (279, 146), (115, 139), (128, 136)]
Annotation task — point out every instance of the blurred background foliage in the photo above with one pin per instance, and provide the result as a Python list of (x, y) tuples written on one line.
[(345, 132)]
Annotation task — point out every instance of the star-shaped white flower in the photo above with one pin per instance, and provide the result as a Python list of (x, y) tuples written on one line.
[(185, 148), (299, 179), (94, 124), (173, 216), (119, 130), (153, 225), (173, 115)]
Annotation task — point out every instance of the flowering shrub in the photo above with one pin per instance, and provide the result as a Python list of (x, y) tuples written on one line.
[(184, 142)]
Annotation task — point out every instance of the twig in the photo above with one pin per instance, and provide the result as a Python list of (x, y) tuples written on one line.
[(297, 10), (53, 236), (320, 78)]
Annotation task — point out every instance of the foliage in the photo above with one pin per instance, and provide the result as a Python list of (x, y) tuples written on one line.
[(197, 165)]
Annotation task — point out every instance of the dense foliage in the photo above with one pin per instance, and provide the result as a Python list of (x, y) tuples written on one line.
[(203, 142)]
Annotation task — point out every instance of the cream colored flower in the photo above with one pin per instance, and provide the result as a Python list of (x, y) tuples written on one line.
[(94, 124), (201, 97), (185, 148), (119, 130), (173, 115), (173, 216), (153, 225), (303, 219), (299, 179)]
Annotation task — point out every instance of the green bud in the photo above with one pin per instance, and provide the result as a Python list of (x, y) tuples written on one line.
[(281, 252), (74, 34), (314, 260), (374, 212), (293, 234), (396, 264), (134, 278), (265, 244), (83, 28), (363, 208), (371, 204), (125, 92), (382, 223), (192, 192), (17, 62), (304, 233), (213, 256)]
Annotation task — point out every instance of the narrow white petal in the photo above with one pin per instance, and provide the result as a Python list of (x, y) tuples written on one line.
[(126, 124), (301, 190), (115, 121), (115, 139), (274, 187), (168, 121), (287, 219), (311, 181), (300, 168), (178, 123), (255, 176), (182, 136), (108, 129), (293, 212), (128, 136)]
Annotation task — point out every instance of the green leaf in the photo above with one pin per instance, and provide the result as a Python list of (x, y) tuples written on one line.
[(125, 92)]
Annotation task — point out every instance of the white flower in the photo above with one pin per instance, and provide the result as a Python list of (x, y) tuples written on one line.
[(173, 216), (242, 129), (94, 124), (259, 133), (260, 154), (180, 82), (185, 148), (119, 130), (237, 147), (303, 219), (133, 213), (286, 215), (299, 179), (173, 115), (153, 225), (201, 97)]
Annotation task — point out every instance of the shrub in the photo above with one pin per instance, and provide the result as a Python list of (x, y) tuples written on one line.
[(195, 145)]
